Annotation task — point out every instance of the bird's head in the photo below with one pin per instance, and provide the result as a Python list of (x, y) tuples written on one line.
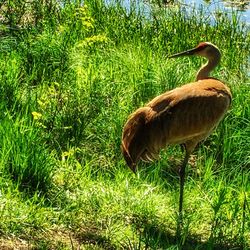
[(205, 49)]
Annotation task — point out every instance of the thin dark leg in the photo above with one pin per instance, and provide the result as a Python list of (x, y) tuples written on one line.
[(182, 180)]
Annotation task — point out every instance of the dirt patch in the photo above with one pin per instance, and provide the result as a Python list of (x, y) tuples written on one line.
[(14, 244)]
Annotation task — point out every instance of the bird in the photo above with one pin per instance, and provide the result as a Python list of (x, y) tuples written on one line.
[(183, 116)]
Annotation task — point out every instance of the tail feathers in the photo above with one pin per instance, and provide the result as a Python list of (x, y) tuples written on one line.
[(133, 138)]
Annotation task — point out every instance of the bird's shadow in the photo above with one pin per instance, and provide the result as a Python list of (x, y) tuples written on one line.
[(166, 168), (163, 171), (154, 235)]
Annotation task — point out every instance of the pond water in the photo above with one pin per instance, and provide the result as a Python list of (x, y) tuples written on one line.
[(210, 6), (241, 6)]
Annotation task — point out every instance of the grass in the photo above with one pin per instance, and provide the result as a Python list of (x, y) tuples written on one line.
[(70, 76)]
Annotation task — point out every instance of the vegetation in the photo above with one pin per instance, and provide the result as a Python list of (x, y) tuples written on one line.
[(71, 73)]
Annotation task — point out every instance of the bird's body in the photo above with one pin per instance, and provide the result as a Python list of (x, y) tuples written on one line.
[(185, 115)]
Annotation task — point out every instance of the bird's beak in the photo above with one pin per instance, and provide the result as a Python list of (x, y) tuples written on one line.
[(185, 53), (133, 168)]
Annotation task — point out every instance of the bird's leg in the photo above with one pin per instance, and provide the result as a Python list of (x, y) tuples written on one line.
[(182, 180)]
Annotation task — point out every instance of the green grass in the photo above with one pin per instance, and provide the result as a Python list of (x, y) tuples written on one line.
[(70, 76)]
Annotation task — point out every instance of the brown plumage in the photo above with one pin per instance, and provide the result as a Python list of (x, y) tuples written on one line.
[(184, 115)]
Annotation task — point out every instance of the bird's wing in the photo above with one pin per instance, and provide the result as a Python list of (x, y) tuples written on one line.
[(191, 111)]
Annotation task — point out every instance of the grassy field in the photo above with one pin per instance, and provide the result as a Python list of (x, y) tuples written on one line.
[(70, 75)]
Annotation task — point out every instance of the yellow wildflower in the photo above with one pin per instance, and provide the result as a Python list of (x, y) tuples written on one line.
[(36, 115)]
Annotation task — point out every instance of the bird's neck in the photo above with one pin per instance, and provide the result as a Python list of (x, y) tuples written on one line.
[(204, 71)]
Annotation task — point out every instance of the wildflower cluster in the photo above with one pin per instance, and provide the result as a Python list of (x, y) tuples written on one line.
[(83, 16), (92, 41), (50, 103)]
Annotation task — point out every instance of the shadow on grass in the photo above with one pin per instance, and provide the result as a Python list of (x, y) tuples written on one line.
[(153, 235), (93, 237), (150, 234), (166, 169)]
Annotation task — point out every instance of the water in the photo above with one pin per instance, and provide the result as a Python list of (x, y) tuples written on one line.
[(242, 7), (211, 7)]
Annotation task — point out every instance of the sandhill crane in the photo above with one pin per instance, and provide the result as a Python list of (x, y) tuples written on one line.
[(185, 115)]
